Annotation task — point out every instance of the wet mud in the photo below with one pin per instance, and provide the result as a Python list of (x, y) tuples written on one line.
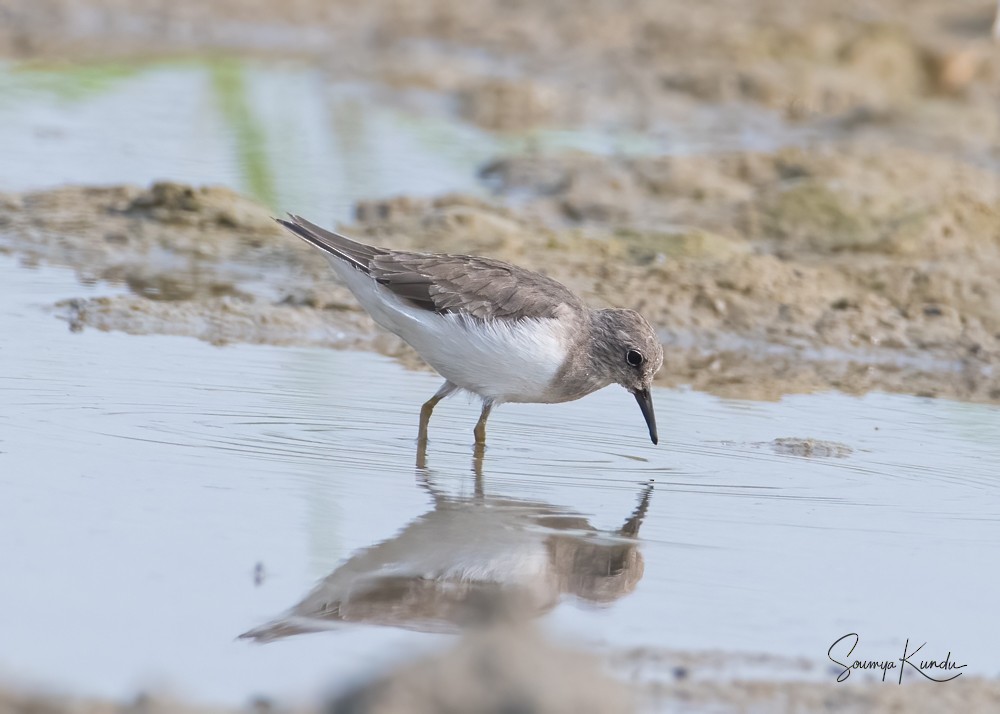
[(845, 267), (863, 255), (549, 63), (515, 668)]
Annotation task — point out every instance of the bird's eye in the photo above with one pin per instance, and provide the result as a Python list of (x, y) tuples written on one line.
[(634, 358)]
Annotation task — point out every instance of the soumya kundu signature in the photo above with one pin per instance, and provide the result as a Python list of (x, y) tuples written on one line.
[(936, 670)]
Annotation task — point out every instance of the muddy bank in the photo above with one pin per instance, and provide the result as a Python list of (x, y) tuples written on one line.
[(503, 671), (923, 64), (865, 258), (510, 666), (848, 267), (856, 252)]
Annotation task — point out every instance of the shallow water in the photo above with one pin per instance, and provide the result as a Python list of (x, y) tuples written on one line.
[(289, 135), (142, 480), (225, 122)]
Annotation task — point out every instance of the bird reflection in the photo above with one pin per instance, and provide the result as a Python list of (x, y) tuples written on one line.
[(436, 573)]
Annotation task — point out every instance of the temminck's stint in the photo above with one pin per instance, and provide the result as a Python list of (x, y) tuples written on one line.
[(492, 328)]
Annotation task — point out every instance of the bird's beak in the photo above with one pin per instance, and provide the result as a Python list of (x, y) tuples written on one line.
[(645, 400)]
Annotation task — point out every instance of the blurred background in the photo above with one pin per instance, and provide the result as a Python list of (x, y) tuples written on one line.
[(801, 197)]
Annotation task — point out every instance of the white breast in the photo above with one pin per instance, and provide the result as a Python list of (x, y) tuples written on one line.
[(500, 360)]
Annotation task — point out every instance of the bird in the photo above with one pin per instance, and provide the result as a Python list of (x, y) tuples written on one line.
[(493, 329)]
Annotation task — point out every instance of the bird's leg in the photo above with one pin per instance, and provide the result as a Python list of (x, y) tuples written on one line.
[(480, 430), (428, 407)]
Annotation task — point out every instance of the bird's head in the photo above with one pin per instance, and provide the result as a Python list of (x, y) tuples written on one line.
[(629, 353)]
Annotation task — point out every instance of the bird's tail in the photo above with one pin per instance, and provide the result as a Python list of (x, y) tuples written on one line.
[(357, 254)]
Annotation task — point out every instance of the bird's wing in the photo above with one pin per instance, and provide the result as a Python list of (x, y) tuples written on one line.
[(482, 288)]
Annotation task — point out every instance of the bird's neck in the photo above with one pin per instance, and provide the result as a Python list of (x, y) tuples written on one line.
[(583, 371)]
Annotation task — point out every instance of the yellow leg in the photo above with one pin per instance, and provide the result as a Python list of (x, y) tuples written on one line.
[(428, 407), (425, 416), (480, 430)]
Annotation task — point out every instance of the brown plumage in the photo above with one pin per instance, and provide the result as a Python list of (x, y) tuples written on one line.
[(483, 288), (503, 332)]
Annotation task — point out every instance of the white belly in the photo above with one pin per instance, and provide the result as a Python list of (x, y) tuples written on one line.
[(499, 360)]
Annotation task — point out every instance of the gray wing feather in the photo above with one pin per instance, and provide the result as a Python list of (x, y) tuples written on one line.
[(477, 287)]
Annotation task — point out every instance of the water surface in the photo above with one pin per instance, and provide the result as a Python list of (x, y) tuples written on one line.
[(292, 136), (143, 479)]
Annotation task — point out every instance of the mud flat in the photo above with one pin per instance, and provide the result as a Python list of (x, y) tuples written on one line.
[(504, 670), (847, 266), (919, 64), (862, 254)]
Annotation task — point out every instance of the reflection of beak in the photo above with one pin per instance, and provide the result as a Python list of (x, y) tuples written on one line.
[(645, 400)]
